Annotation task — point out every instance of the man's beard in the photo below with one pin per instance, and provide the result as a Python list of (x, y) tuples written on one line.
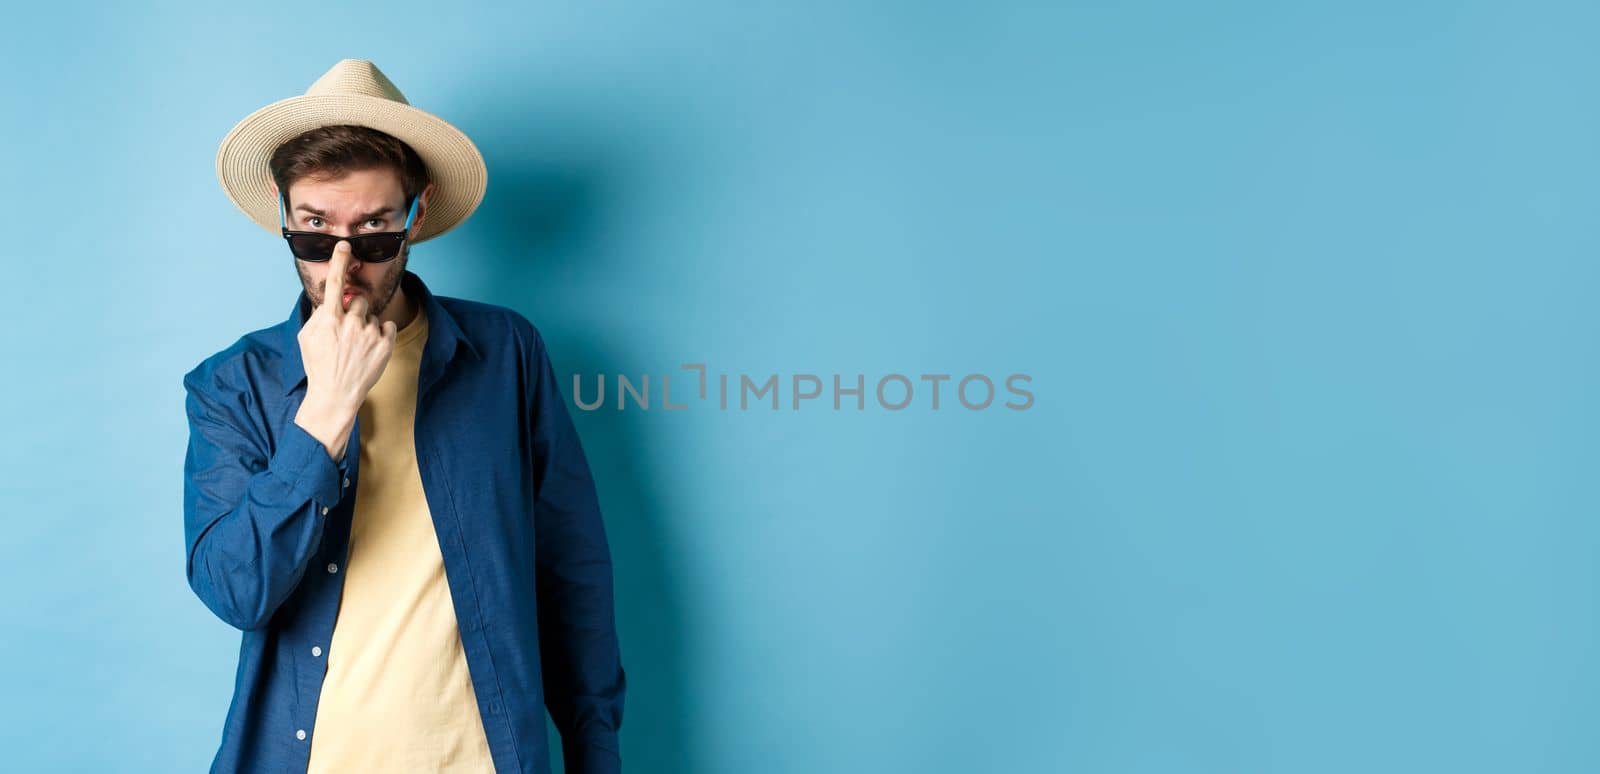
[(377, 298)]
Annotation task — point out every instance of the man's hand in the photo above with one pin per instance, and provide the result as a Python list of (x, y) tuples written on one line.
[(345, 352)]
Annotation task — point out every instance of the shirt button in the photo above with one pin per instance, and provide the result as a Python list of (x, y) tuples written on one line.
[(333, 567), (301, 734), (324, 510), (316, 650), (347, 483)]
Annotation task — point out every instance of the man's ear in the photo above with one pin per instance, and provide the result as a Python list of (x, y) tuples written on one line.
[(422, 208)]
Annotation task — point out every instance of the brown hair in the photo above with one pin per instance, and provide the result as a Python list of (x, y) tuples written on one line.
[(333, 151)]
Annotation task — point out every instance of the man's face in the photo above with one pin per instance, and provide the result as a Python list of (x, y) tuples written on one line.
[(364, 202)]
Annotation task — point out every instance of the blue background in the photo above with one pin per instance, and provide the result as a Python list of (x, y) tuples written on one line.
[(1306, 291)]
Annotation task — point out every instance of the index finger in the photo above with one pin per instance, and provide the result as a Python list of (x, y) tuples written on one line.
[(333, 286)]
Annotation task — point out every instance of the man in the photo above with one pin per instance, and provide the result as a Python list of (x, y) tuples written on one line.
[(385, 492)]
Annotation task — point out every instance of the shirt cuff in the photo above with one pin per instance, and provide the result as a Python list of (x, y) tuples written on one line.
[(303, 462), (590, 758)]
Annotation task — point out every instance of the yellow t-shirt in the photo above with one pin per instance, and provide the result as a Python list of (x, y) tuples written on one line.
[(397, 695)]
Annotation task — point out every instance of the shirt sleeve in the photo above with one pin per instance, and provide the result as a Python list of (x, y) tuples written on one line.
[(580, 658), (252, 522)]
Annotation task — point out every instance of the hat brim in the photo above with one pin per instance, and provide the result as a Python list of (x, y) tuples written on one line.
[(455, 166)]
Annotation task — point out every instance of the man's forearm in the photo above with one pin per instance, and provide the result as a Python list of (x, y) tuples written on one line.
[(251, 522)]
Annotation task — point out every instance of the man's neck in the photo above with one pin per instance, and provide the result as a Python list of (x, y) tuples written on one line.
[(403, 307)]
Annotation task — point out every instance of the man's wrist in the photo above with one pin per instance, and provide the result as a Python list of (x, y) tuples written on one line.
[(328, 422)]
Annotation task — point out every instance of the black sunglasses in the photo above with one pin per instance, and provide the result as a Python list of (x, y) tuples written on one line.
[(316, 247)]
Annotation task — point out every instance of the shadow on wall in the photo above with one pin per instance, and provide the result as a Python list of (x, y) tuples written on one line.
[(534, 243)]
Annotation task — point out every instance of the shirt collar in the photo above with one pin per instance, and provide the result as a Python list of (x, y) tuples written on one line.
[(444, 335)]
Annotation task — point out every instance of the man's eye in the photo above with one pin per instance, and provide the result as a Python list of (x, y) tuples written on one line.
[(312, 222), (378, 221)]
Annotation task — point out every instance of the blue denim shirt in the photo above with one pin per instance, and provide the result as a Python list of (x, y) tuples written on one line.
[(267, 515)]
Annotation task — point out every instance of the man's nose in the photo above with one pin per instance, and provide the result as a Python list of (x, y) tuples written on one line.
[(354, 266)]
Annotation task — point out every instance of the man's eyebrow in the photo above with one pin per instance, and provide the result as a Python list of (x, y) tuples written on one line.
[(321, 214)]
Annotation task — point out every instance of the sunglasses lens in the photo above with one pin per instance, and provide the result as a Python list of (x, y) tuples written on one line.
[(375, 248), (312, 247)]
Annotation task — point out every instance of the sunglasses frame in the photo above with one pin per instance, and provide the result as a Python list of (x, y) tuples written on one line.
[(355, 240)]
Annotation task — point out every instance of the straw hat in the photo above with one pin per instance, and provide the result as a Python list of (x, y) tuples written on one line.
[(356, 92)]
